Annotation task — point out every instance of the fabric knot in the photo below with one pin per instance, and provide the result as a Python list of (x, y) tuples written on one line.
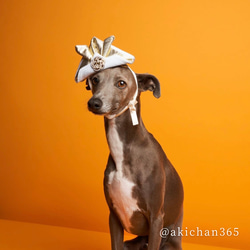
[(132, 104)]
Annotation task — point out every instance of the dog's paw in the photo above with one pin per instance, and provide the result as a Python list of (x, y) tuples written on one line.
[(136, 244)]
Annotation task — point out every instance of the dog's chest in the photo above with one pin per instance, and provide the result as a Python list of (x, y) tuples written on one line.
[(120, 191), (120, 188)]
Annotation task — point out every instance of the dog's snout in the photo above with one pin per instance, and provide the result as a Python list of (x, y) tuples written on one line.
[(94, 104)]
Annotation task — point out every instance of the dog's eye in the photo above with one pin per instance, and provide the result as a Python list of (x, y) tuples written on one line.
[(95, 80), (121, 84)]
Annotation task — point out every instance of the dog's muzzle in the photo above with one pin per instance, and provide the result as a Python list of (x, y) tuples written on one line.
[(95, 105)]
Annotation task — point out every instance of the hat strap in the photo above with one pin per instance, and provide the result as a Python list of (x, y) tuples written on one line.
[(130, 106)]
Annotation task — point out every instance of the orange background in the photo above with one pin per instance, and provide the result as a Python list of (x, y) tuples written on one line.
[(53, 151)]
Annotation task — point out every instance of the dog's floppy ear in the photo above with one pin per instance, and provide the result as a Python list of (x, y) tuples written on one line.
[(87, 84), (149, 82)]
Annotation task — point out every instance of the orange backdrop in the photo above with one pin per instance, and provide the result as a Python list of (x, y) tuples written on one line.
[(53, 151)]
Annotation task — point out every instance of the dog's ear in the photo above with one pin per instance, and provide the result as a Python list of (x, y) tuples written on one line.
[(87, 84), (149, 82)]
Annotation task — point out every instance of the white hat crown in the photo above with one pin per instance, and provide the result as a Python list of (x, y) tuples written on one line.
[(98, 56)]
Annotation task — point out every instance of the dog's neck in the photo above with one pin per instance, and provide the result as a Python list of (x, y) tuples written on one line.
[(120, 131)]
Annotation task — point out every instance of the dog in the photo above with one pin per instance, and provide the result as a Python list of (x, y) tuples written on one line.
[(143, 191)]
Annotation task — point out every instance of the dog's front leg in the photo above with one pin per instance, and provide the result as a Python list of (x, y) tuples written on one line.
[(154, 240), (116, 232)]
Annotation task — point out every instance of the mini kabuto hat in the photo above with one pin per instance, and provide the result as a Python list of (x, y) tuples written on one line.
[(98, 56)]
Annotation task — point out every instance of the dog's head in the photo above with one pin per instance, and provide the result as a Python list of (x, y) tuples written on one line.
[(114, 88)]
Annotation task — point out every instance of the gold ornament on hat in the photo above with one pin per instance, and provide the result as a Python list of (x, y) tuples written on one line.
[(97, 63)]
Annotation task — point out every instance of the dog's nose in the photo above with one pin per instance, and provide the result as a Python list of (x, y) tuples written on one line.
[(94, 104)]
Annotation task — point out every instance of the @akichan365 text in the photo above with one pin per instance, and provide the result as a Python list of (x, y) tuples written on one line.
[(198, 232)]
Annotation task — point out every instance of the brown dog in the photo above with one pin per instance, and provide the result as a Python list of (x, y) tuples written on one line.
[(143, 191)]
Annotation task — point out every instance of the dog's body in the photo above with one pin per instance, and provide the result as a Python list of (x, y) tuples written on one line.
[(143, 191)]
